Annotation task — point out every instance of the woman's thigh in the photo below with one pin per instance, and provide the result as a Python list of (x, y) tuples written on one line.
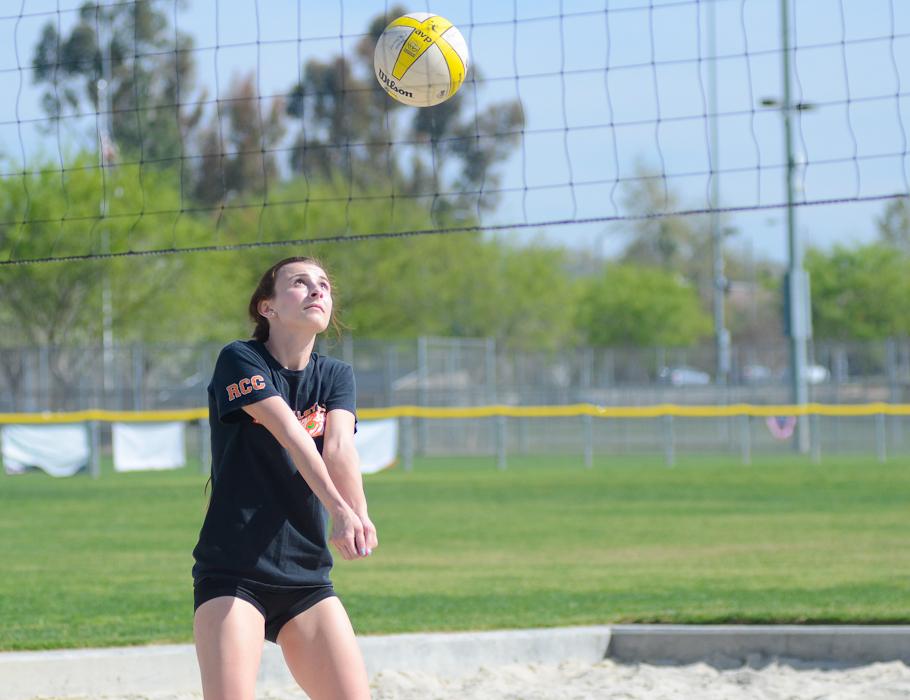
[(229, 639), (321, 652)]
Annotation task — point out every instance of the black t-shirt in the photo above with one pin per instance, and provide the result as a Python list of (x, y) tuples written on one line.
[(264, 523)]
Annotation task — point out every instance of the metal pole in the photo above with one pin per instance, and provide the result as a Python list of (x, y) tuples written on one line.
[(105, 151), (491, 397), (407, 443), (721, 334), (669, 441), (816, 438), (589, 441), (94, 467), (205, 447), (423, 375), (501, 437), (894, 393), (881, 438), (797, 282), (745, 422)]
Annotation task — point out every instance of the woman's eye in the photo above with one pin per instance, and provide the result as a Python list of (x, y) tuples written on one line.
[(324, 285)]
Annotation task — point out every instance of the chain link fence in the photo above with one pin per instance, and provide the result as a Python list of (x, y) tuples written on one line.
[(475, 372)]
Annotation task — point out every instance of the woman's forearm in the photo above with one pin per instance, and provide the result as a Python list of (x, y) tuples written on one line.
[(343, 464), (316, 473)]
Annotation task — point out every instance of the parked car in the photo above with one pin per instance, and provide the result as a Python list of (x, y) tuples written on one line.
[(757, 374), (683, 376), (815, 374)]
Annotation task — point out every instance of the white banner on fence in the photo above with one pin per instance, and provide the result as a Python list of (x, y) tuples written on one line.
[(60, 450), (377, 444), (139, 446)]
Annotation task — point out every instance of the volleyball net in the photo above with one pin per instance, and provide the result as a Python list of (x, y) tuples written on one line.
[(152, 127)]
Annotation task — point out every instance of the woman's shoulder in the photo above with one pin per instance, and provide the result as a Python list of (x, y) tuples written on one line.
[(331, 364), (243, 349)]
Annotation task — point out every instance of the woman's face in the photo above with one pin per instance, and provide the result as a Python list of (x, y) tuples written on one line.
[(302, 299)]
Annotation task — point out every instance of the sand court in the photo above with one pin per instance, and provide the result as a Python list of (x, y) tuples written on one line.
[(759, 679), (627, 662)]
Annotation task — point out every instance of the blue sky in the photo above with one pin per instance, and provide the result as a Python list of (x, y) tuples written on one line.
[(579, 66)]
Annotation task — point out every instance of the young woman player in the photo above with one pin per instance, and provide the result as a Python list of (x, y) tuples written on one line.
[(282, 424)]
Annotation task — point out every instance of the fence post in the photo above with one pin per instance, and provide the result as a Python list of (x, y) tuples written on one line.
[(205, 454), (815, 438), (94, 467), (407, 443), (881, 438), (138, 376), (669, 440), (501, 442), (745, 432), (589, 440), (423, 375), (391, 370), (45, 400), (894, 365), (491, 396)]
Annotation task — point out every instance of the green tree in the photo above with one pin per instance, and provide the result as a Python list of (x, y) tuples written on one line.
[(894, 225), (680, 244), (754, 297), (859, 293), (634, 305), (237, 145), (390, 288), (531, 300), (60, 303), (151, 76)]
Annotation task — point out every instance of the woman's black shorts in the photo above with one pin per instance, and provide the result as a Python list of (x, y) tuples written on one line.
[(278, 604)]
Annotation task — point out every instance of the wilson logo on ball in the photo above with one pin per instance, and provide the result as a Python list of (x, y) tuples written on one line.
[(390, 85), (421, 59)]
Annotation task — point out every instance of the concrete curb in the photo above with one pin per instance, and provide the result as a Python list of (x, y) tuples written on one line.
[(684, 644), (173, 669)]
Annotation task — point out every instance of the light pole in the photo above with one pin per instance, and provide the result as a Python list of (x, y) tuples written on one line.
[(105, 153), (796, 284), (721, 334)]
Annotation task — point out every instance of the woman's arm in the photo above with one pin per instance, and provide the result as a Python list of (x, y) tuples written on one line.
[(343, 463), (276, 416)]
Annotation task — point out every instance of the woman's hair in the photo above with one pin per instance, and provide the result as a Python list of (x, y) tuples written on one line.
[(266, 290)]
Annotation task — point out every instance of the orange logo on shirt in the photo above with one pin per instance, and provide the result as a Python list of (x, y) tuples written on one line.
[(245, 386), (313, 420)]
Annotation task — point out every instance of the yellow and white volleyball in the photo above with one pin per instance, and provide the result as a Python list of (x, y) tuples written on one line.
[(421, 59)]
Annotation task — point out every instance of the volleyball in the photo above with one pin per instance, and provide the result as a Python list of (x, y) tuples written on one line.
[(421, 59)]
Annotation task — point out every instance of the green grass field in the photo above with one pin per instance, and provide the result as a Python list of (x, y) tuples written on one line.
[(465, 546)]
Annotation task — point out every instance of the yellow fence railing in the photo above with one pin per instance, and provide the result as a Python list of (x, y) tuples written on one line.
[(564, 411)]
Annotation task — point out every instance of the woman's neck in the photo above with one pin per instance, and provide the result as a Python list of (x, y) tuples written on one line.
[(292, 352)]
